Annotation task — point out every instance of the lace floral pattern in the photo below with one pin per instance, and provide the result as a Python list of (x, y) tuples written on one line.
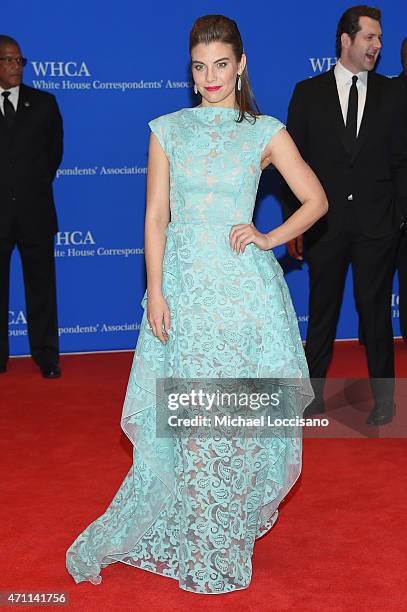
[(191, 508)]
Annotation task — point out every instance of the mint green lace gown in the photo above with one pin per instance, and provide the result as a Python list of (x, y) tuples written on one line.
[(192, 509)]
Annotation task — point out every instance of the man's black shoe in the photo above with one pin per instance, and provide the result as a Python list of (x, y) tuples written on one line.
[(51, 371), (3, 368), (381, 414)]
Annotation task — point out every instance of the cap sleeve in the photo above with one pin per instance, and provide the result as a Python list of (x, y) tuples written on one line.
[(159, 128), (269, 128)]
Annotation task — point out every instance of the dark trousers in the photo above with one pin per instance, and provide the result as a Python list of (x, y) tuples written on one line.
[(402, 276), (37, 256), (373, 264)]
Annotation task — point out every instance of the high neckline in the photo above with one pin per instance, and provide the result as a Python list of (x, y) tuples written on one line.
[(213, 108), (213, 115)]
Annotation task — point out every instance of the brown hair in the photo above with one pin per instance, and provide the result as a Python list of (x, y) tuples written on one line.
[(217, 28), (349, 22)]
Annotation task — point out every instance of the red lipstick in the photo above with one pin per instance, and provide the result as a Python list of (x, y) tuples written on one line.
[(213, 88)]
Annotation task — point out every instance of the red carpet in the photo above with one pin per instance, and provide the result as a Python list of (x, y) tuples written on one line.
[(340, 542)]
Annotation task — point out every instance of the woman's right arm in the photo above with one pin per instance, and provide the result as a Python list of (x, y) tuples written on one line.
[(157, 219)]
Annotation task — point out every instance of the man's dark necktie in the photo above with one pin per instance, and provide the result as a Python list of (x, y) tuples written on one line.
[(9, 111), (352, 115)]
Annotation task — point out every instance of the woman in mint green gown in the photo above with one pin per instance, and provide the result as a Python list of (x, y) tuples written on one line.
[(216, 306)]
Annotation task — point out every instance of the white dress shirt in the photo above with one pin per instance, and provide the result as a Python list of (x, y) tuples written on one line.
[(343, 78), (13, 97)]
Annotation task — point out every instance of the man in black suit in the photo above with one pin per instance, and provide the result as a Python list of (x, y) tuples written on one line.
[(402, 254), (350, 126), (30, 153)]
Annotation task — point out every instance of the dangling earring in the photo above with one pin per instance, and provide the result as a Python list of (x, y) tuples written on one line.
[(239, 82), (196, 89)]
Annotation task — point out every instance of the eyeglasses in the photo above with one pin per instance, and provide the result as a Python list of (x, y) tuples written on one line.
[(20, 61)]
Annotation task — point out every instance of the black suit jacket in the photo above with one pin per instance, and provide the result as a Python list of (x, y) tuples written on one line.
[(30, 154), (375, 172), (403, 79)]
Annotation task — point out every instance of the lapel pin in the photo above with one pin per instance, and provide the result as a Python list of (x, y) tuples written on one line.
[(27, 104)]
